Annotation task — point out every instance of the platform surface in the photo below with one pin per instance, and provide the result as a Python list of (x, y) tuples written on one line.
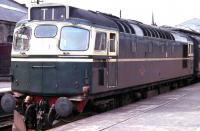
[(5, 87), (178, 110)]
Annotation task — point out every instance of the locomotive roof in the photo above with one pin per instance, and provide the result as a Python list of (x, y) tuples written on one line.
[(93, 17), (111, 21), (123, 25)]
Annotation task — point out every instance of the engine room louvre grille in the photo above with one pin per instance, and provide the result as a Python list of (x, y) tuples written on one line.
[(165, 37), (144, 31), (168, 35), (153, 33), (131, 28), (172, 37), (158, 34), (148, 32), (125, 27), (119, 27), (161, 34)]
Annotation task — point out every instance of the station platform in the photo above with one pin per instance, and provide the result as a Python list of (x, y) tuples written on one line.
[(178, 110)]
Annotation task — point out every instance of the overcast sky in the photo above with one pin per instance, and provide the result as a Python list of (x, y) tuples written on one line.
[(166, 12)]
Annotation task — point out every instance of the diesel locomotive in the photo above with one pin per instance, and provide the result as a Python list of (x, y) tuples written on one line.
[(64, 58)]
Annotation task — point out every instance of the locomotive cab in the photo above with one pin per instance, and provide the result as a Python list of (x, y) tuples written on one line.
[(59, 56), (45, 55)]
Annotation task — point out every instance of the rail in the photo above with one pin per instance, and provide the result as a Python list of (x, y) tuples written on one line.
[(6, 122)]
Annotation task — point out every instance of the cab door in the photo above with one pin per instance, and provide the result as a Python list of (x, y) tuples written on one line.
[(112, 60), (105, 61)]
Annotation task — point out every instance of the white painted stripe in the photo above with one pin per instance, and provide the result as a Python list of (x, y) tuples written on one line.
[(91, 60), (73, 56), (152, 59), (50, 60)]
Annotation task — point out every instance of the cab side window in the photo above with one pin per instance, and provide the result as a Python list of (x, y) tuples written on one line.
[(112, 42), (100, 42)]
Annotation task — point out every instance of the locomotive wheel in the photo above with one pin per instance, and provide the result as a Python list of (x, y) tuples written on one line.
[(40, 125), (51, 116), (30, 116), (40, 121)]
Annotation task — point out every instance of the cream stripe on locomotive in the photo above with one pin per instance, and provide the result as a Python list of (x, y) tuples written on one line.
[(150, 59), (92, 60), (51, 60)]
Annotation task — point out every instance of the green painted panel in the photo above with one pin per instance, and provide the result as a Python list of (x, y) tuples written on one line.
[(50, 78)]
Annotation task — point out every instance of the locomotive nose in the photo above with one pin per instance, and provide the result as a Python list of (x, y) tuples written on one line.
[(8, 103)]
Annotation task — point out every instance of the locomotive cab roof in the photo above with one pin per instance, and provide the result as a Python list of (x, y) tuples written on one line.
[(69, 13), (61, 12)]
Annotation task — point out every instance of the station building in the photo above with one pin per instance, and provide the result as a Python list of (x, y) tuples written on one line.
[(10, 13)]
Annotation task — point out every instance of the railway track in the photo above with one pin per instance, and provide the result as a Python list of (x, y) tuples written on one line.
[(6, 122)]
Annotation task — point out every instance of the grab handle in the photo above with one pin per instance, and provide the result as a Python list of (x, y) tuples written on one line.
[(43, 66)]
